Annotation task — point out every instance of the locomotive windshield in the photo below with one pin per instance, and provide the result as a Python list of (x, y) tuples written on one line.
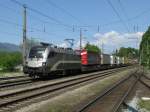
[(37, 52)]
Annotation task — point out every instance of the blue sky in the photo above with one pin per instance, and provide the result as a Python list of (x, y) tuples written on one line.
[(134, 14)]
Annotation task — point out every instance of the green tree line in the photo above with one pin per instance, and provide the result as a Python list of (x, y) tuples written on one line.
[(9, 60), (145, 49), (130, 53)]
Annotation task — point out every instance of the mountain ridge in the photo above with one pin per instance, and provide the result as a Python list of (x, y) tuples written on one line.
[(9, 47)]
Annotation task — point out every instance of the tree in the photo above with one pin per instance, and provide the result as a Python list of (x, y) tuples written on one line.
[(145, 49), (92, 48)]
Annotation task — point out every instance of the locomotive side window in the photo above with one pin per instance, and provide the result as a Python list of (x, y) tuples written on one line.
[(51, 54)]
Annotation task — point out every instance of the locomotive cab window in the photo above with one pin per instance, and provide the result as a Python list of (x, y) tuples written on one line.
[(37, 52)]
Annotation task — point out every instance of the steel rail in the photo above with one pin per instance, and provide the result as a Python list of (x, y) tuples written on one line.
[(8, 78), (107, 91), (117, 106), (146, 77), (65, 80), (144, 84), (11, 98), (10, 83), (13, 82)]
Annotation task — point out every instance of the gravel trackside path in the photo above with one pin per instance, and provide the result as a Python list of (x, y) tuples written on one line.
[(11, 74)]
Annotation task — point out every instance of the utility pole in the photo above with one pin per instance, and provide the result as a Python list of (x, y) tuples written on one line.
[(24, 34), (80, 38)]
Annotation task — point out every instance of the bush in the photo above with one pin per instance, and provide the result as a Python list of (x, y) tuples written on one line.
[(9, 60)]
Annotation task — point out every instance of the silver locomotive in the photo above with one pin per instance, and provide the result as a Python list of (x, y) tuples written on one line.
[(45, 59)]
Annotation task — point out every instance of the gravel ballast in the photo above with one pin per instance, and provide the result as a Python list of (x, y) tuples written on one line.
[(70, 99)]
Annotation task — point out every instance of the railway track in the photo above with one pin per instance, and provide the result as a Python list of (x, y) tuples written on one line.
[(11, 98), (9, 78), (13, 81), (145, 81), (148, 78), (22, 81), (112, 98)]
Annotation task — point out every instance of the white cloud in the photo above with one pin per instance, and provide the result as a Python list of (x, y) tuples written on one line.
[(110, 40), (113, 40)]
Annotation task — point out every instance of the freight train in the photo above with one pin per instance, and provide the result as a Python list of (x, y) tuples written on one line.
[(46, 59)]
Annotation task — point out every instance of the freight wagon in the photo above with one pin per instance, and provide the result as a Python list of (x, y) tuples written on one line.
[(90, 60), (46, 59)]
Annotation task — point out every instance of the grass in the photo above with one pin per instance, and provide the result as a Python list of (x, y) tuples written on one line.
[(144, 104)]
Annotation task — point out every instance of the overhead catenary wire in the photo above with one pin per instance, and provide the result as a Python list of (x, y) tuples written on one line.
[(68, 13), (18, 12), (106, 24), (16, 2), (124, 11), (18, 25), (42, 14), (30, 29), (36, 18), (118, 15), (8, 33), (63, 10), (10, 9), (71, 26), (49, 17), (139, 15)]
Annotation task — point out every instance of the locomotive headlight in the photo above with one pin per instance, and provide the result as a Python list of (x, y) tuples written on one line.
[(44, 64)]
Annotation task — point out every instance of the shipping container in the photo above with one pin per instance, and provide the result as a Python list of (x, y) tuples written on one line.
[(105, 59)]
